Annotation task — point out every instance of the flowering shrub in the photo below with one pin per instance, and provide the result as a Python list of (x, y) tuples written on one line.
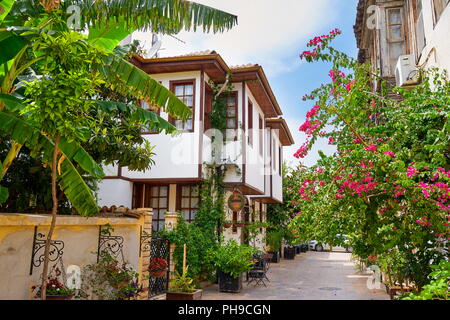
[(55, 288), (108, 279), (388, 184), (157, 264)]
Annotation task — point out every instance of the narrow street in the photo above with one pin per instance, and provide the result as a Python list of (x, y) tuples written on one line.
[(311, 276)]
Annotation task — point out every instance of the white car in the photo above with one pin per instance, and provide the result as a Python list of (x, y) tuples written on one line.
[(316, 246)]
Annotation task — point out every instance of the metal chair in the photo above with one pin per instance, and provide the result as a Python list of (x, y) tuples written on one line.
[(258, 273)]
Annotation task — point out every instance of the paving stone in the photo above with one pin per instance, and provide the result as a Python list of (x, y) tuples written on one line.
[(310, 276)]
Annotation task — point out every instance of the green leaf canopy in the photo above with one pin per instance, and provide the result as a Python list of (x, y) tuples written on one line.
[(70, 179)]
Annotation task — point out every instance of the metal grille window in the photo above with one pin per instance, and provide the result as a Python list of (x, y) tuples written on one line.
[(156, 197), (439, 7), (185, 92), (189, 201)]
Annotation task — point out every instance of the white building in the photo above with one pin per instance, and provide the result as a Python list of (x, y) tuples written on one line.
[(253, 155)]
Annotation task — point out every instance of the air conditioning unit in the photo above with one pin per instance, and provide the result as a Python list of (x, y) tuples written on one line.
[(406, 72)]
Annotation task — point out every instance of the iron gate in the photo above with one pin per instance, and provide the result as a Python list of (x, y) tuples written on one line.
[(159, 248)]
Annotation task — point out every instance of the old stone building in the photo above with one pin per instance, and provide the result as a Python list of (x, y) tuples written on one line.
[(386, 30)]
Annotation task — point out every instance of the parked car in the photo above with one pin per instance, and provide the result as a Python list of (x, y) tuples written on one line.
[(316, 246)]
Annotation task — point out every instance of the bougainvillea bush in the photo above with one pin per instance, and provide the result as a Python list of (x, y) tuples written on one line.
[(387, 185)]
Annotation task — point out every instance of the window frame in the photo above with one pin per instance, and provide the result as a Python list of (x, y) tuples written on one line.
[(148, 199), (180, 197), (233, 94), (436, 18), (156, 110), (402, 24), (261, 135), (173, 84), (250, 122), (280, 163)]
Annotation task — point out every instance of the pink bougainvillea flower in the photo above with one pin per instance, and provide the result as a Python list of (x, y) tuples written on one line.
[(349, 85), (411, 171), (389, 153), (371, 147), (330, 140)]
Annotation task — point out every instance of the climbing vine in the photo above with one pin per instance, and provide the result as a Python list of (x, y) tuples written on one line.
[(203, 234)]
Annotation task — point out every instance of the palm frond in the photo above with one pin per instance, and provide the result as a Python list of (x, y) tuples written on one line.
[(159, 16), (128, 79)]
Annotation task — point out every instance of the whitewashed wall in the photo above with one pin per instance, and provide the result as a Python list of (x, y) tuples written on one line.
[(115, 192), (437, 50)]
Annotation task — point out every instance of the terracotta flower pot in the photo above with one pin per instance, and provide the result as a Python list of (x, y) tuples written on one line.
[(196, 295), (59, 297), (158, 273), (227, 225)]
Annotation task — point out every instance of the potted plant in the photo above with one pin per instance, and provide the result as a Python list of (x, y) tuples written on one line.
[(227, 224), (108, 279), (289, 252), (231, 260), (158, 267), (183, 288), (273, 241), (239, 224), (55, 290)]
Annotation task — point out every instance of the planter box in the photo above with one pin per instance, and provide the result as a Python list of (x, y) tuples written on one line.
[(62, 297), (304, 247), (289, 253), (228, 283), (275, 257), (298, 249), (197, 295)]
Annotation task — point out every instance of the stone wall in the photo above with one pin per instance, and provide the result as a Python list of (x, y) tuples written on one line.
[(79, 244)]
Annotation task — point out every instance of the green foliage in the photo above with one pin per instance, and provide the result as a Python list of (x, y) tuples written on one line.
[(438, 288), (158, 16), (182, 283), (232, 258), (108, 279), (387, 185)]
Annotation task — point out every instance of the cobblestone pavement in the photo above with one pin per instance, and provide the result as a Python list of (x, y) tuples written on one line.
[(310, 276)]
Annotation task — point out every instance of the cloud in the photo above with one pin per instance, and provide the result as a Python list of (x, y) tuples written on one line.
[(269, 33)]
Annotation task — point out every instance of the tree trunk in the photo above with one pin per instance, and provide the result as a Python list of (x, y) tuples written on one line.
[(53, 222), (12, 154)]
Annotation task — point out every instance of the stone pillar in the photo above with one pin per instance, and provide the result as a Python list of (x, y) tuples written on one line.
[(171, 220), (144, 238)]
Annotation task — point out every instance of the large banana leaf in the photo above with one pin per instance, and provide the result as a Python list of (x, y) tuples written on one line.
[(10, 45), (159, 16), (70, 179), (108, 36), (5, 7), (149, 118), (128, 79)]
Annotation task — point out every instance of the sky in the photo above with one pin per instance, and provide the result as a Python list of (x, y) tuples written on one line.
[(272, 33)]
